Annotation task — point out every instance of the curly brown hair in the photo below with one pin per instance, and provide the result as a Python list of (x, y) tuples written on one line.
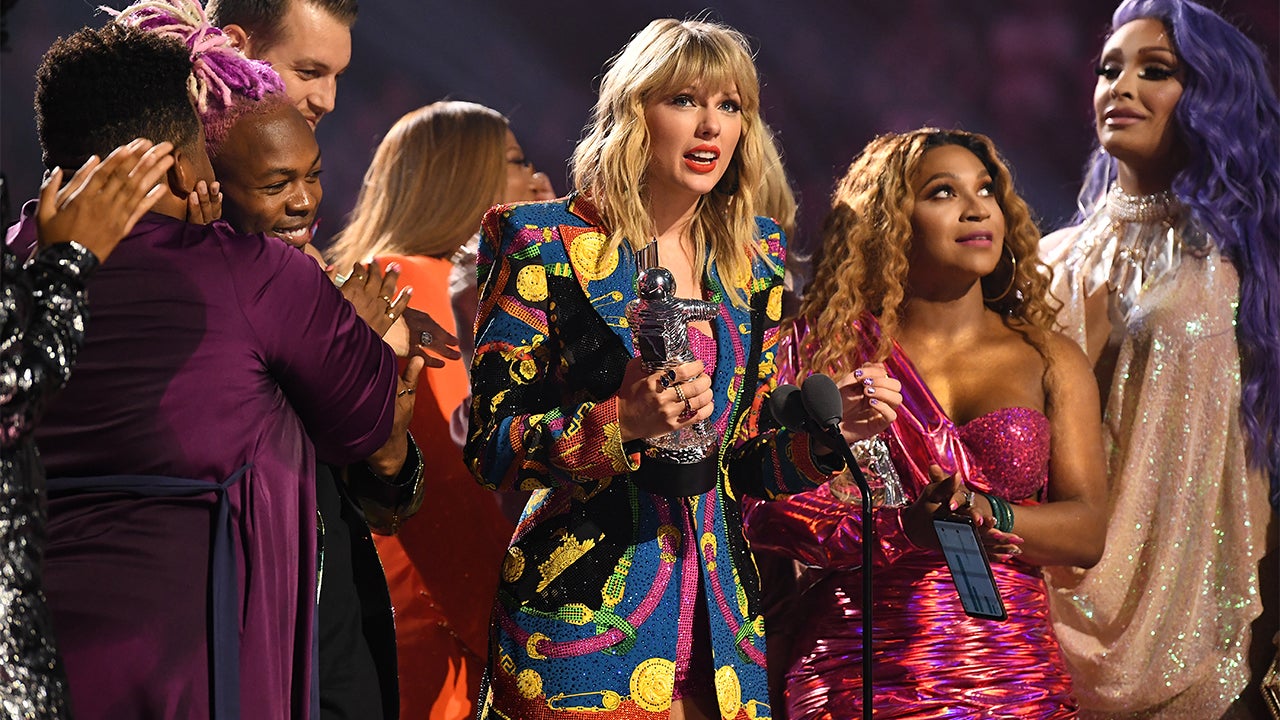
[(866, 243)]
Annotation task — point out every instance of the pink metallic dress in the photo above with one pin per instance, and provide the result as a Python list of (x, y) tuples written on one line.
[(931, 660)]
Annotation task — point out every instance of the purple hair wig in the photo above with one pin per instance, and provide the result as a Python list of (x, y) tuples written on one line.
[(1229, 119), (224, 84)]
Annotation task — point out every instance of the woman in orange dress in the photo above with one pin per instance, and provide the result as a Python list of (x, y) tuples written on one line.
[(433, 176)]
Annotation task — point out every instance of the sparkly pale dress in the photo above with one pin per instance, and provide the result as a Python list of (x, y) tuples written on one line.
[(1161, 626)]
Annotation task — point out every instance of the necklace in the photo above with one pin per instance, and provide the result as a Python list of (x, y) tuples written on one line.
[(1142, 208)]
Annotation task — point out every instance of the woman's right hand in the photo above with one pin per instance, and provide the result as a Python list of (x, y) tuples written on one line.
[(947, 495), (650, 404)]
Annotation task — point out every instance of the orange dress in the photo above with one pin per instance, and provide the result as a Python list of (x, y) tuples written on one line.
[(442, 567)]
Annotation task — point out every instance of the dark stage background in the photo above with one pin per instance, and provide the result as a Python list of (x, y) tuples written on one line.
[(834, 74)]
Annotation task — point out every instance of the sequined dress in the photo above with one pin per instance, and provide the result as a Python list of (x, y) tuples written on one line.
[(42, 314), (931, 659), (1160, 627)]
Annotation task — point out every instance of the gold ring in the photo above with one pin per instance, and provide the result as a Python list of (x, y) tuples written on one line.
[(680, 394), (386, 299)]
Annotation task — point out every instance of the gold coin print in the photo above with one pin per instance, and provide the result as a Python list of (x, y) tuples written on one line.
[(728, 692), (652, 683), (529, 684), (531, 283), (513, 565), (586, 254)]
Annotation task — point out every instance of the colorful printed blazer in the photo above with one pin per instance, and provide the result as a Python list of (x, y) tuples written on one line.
[(596, 601)]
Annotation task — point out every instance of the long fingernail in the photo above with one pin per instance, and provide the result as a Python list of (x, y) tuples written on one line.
[(393, 267)]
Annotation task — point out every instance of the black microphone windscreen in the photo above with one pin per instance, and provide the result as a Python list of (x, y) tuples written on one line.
[(822, 400), (785, 406)]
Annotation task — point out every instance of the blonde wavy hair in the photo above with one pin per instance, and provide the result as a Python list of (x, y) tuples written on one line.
[(866, 246), (611, 160), (777, 199), (432, 178)]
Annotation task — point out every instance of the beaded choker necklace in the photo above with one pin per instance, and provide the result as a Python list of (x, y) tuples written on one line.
[(1142, 208)]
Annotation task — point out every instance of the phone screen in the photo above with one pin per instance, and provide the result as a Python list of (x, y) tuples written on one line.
[(969, 567)]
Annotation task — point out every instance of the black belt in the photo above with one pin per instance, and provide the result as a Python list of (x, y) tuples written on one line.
[(669, 479)]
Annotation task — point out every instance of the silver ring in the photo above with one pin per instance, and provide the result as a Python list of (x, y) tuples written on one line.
[(968, 498), (680, 394), (426, 338)]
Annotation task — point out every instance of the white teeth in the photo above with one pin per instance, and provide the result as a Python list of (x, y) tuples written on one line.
[(703, 156)]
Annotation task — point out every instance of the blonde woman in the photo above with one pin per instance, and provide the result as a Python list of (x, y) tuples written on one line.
[(622, 594), (433, 176)]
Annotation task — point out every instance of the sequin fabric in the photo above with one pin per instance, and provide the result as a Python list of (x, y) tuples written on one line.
[(1160, 627), (931, 659), (603, 581), (42, 314)]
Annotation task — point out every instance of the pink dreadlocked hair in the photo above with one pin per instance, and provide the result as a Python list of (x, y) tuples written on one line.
[(224, 84)]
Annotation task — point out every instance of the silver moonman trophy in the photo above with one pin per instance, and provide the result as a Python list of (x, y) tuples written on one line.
[(660, 328)]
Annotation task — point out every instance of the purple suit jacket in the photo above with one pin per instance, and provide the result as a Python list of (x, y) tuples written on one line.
[(207, 350)]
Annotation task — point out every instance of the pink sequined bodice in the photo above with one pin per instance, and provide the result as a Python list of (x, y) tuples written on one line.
[(703, 347), (1011, 446)]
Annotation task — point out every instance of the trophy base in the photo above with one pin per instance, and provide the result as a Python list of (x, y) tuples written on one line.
[(669, 479)]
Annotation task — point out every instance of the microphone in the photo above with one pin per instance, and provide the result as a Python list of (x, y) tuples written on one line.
[(821, 400), (823, 409), (787, 406)]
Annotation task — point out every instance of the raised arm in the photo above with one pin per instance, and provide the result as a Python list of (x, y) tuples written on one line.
[(338, 375), (43, 305)]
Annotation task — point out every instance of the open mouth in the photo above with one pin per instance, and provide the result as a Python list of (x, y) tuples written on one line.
[(702, 159), (296, 237)]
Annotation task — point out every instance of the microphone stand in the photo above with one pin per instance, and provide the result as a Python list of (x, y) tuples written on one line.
[(821, 419), (832, 432)]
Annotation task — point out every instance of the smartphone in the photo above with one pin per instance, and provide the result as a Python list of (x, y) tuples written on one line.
[(970, 569)]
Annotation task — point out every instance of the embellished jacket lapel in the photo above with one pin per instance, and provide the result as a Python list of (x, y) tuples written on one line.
[(609, 281)]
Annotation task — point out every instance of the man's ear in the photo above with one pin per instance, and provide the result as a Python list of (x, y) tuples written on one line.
[(239, 38), (181, 176)]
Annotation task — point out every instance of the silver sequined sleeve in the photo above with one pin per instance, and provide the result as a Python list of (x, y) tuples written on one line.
[(42, 316)]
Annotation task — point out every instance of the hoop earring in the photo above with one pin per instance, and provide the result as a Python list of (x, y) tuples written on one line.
[(1013, 278)]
